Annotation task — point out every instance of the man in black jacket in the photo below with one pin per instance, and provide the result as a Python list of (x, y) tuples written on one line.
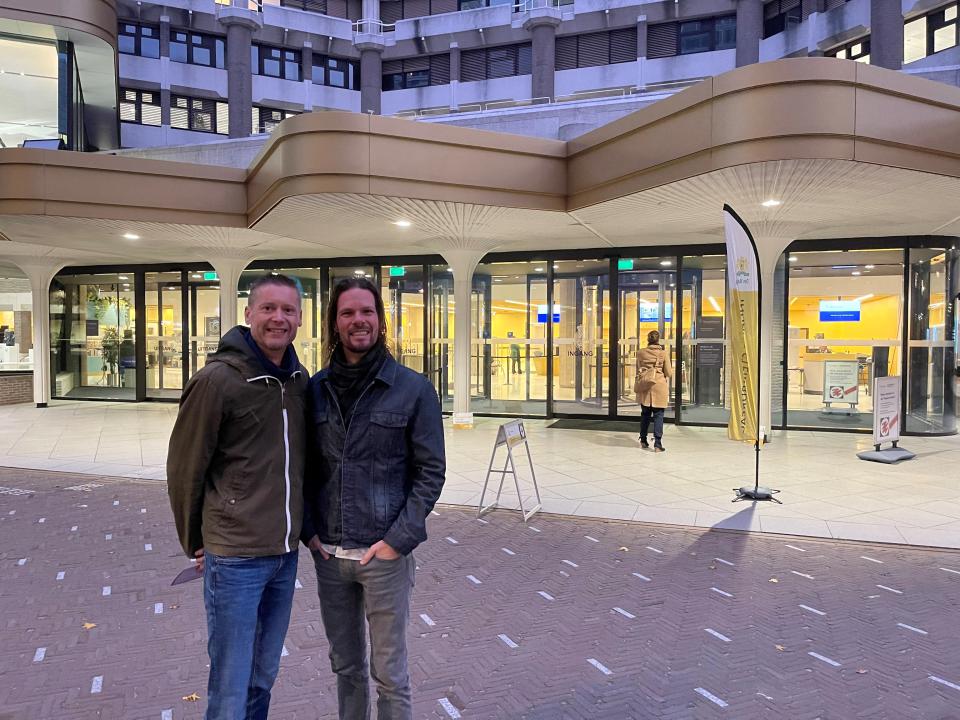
[(375, 469)]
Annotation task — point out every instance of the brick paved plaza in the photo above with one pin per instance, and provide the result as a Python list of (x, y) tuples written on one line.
[(565, 618)]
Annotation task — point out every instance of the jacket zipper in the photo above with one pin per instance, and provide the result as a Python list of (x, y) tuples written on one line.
[(286, 451)]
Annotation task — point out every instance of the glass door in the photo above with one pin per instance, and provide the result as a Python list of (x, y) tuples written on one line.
[(647, 292), (205, 327), (704, 352), (581, 337), (164, 335), (441, 333), (402, 288)]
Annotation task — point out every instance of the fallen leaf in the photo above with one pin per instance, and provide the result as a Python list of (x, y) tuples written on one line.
[(192, 697), (781, 648), (774, 580), (624, 549), (89, 626)]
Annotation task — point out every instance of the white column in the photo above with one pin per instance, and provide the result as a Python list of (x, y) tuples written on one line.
[(463, 262), (41, 272), (228, 270)]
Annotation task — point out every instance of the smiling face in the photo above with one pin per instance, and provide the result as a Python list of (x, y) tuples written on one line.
[(273, 314), (358, 325)]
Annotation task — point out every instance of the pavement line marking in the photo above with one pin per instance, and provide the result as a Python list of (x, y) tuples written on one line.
[(710, 696), (474, 580), (955, 572), (434, 512), (449, 709), (481, 520), (912, 628), (531, 527), (452, 541), (428, 621), (890, 589), (718, 590), (508, 551), (545, 595), (106, 591), (297, 585), (824, 658), (629, 616), (158, 608), (40, 654), (565, 573), (653, 549), (73, 529), (22, 561), (600, 666), (873, 560), (96, 684), (284, 652), (944, 682), (570, 563), (108, 536), (166, 714), (116, 502), (143, 511), (42, 520), (813, 610), (804, 575), (719, 636), (591, 539), (794, 547), (508, 642), (725, 562), (642, 577), (147, 547), (61, 575)]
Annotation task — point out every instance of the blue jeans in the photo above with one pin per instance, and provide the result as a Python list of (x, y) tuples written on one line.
[(648, 414), (352, 598), (248, 601)]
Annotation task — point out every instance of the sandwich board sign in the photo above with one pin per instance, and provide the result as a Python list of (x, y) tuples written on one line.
[(886, 422), (511, 435), (841, 382)]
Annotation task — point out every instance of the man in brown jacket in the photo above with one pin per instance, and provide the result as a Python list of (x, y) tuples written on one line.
[(235, 480)]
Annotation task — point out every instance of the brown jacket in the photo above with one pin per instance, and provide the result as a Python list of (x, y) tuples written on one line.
[(236, 458), (654, 356)]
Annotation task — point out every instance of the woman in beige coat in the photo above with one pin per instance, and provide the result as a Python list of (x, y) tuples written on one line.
[(653, 389)]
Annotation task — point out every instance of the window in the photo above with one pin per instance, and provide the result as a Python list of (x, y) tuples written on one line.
[(275, 62), (930, 33), (692, 36), (140, 106), (332, 8), (416, 72), (779, 15), (858, 50), (498, 62), (265, 119), (336, 72), (603, 48), (393, 10), (137, 39), (475, 4), (199, 114), (196, 49)]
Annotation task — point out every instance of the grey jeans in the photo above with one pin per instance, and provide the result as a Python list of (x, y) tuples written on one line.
[(353, 597)]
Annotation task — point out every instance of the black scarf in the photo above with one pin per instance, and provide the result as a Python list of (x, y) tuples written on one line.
[(349, 381), (282, 372)]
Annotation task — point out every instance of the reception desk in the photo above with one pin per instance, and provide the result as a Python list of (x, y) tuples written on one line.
[(813, 369)]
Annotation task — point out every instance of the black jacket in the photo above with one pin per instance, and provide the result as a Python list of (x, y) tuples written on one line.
[(379, 479)]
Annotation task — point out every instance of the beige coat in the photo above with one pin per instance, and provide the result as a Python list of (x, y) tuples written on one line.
[(659, 395)]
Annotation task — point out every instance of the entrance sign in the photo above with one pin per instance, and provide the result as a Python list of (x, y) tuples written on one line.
[(510, 435), (841, 382), (886, 422)]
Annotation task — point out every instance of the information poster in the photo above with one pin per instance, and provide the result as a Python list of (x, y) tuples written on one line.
[(514, 432), (886, 409), (841, 382)]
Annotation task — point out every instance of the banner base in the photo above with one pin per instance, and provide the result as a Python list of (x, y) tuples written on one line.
[(756, 493), (890, 456)]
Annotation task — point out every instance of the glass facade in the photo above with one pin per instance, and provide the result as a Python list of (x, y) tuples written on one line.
[(16, 321), (31, 91)]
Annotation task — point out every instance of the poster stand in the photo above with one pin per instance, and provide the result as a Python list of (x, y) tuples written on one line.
[(886, 423), (510, 435)]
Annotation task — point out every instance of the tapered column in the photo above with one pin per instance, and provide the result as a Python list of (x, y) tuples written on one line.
[(228, 271), (41, 273), (463, 263)]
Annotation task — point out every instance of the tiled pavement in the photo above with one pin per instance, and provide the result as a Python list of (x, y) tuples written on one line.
[(564, 618)]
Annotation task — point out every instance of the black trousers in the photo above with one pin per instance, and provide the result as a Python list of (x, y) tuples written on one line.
[(655, 414)]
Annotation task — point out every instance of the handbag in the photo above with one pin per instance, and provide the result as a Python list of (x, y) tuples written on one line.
[(647, 378)]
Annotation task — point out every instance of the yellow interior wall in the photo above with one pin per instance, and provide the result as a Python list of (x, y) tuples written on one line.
[(6, 318)]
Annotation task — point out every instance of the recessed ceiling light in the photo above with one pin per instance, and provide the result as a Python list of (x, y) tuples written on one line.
[(195, 276), (556, 266), (130, 236), (855, 272), (868, 267), (666, 263), (358, 272), (793, 258), (770, 203), (402, 223), (123, 277), (538, 269)]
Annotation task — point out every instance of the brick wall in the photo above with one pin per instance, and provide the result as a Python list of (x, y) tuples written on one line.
[(16, 388)]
